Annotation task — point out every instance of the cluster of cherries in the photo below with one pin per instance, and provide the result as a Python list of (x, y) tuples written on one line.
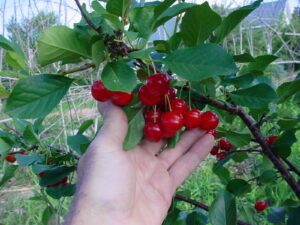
[(220, 150), (63, 182), (168, 114)]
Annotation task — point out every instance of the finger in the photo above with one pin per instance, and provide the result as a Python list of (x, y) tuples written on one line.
[(152, 147), (114, 129), (184, 166), (188, 138)]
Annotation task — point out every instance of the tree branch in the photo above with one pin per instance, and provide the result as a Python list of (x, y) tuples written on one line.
[(263, 119), (251, 124), (87, 19), (75, 156), (12, 129), (291, 165), (82, 68), (201, 205), (246, 150)]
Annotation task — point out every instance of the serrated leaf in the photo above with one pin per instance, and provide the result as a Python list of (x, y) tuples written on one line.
[(258, 96), (118, 7), (118, 76), (282, 145), (60, 43), (288, 89), (223, 173), (36, 96), (238, 139), (233, 19), (198, 23), (61, 191), (53, 176), (223, 209), (200, 62), (260, 64), (8, 173), (27, 160), (135, 132), (78, 143), (238, 187)]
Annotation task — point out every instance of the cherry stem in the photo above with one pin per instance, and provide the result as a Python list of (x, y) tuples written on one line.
[(190, 101), (169, 103), (155, 114)]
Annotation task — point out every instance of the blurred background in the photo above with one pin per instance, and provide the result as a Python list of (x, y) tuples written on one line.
[(273, 28)]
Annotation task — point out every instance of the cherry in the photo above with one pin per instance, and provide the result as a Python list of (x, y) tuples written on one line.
[(100, 92), (42, 173), (178, 105), (121, 98), (147, 98), (213, 133), (169, 134), (225, 145), (171, 121), (192, 118), (214, 150), (260, 205), (153, 132), (209, 120), (271, 139), (158, 84), (10, 158), (152, 116), (171, 95), (221, 155), (63, 181)]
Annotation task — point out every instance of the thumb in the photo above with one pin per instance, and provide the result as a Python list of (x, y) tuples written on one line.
[(115, 124)]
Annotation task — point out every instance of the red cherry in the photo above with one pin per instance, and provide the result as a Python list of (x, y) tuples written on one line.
[(121, 98), (192, 118), (100, 92), (214, 150), (225, 145), (169, 134), (23, 153), (153, 132), (209, 120), (213, 133), (260, 205), (66, 184), (178, 105), (158, 84), (42, 173), (221, 155), (271, 139), (147, 98), (171, 121), (10, 158), (170, 93), (152, 116), (63, 181)]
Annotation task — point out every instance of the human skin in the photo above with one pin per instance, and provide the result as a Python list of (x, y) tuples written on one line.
[(132, 187)]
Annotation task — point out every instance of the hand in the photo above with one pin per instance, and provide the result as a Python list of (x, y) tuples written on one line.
[(132, 187)]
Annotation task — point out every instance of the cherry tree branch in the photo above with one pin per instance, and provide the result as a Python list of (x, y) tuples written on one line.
[(246, 150), (82, 68), (263, 119), (251, 124), (291, 165), (201, 205)]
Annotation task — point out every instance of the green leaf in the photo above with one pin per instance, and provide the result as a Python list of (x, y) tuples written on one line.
[(277, 215), (288, 89), (30, 136), (4, 146), (84, 126), (8, 73), (223, 173), (223, 209), (260, 64), (238, 139), (142, 19), (240, 157), (282, 145), (258, 96), (118, 76), (78, 143), (238, 187), (10, 46), (118, 7), (27, 160), (173, 140), (98, 7), (294, 216), (15, 60), (289, 123), (200, 62), (243, 58), (135, 132), (53, 176), (98, 52), (113, 21), (8, 173), (175, 41), (61, 191), (38, 168), (247, 214), (198, 23), (48, 212), (232, 20), (163, 6), (60, 43), (141, 54), (36, 96), (267, 177), (171, 12)]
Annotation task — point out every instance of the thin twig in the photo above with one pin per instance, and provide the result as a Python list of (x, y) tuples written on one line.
[(201, 205), (263, 119), (64, 151), (82, 68), (291, 165), (246, 150), (12, 129)]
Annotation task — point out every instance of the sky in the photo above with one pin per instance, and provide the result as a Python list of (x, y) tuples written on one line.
[(68, 12)]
